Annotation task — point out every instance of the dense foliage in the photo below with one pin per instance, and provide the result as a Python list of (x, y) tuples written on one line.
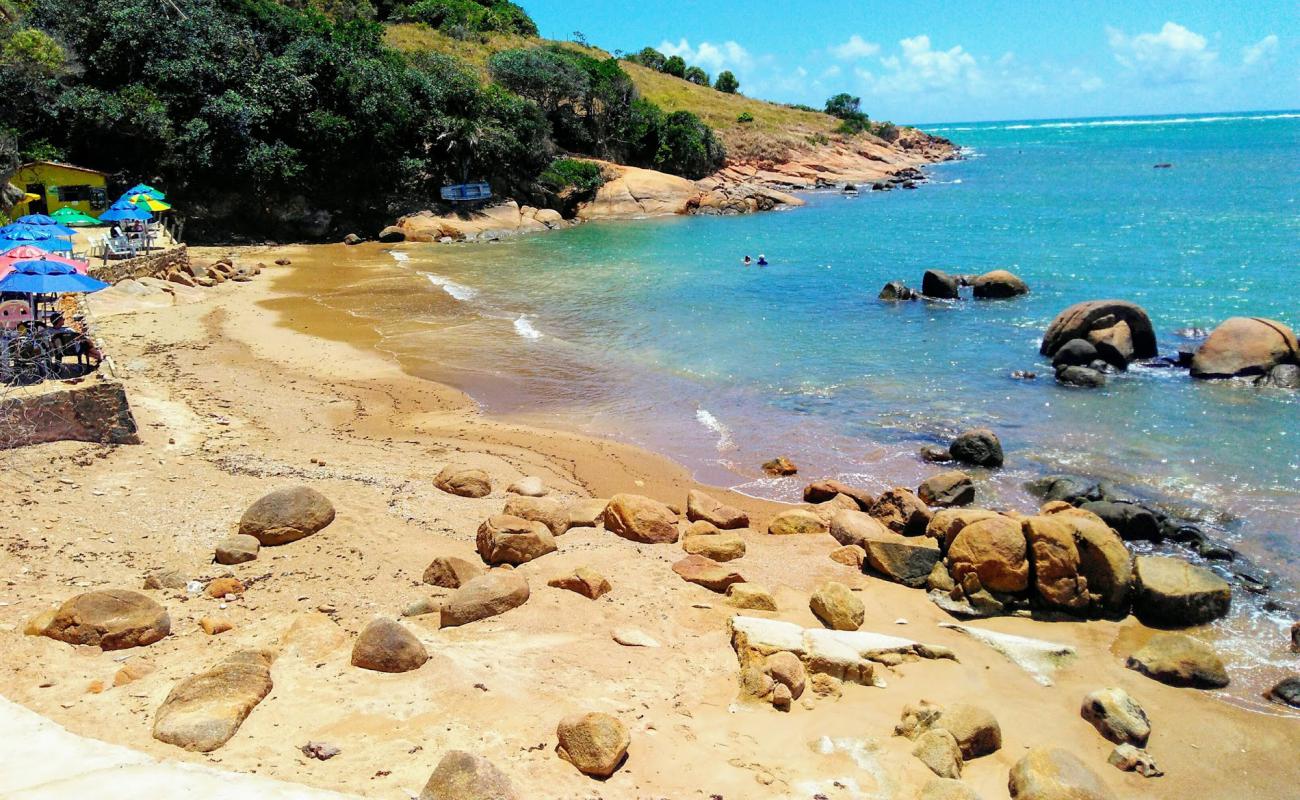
[(570, 174), (462, 17), (593, 107), (848, 109), (726, 82)]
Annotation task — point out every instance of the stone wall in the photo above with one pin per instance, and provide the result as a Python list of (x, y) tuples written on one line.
[(153, 265), (94, 411)]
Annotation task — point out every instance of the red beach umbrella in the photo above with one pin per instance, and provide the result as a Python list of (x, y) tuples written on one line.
[(29, 252)]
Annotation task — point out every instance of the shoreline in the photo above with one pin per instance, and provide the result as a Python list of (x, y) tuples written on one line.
[(237, 392)]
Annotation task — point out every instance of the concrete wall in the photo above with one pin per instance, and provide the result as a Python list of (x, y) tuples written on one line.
[(153, 265)]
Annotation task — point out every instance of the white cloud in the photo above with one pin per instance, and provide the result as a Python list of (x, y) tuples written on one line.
[(855, 48), (710, 56), (1261, 51), (1174, 55), (920, 68)]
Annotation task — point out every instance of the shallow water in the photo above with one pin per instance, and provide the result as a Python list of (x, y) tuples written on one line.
[(652, 331)]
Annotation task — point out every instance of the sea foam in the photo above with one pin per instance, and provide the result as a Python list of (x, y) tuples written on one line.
[(525, 328), (725, 442), (456, 290)]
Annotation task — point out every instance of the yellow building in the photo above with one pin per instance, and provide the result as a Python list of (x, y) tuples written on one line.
[(60, 186)]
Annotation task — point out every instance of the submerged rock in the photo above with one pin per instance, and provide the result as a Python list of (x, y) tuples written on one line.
[(951, 488), (780, 467), (1083, 377), (1081, 319), (204, 711), (896, 291), (998, 285), (1244, 346), (979, 447), (1286, 691), (1075, 353), (939, 285), (287, 515)]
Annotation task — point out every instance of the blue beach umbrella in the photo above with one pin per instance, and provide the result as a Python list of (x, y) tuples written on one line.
[(16, 235), (124, 209), (144, 188), (43, 223), (39, 276)]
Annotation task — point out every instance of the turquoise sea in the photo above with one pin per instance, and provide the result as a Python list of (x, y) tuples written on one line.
[(653, 332)]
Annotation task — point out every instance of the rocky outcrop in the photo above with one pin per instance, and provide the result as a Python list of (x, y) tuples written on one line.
[(494, 222), (110, 619), (204, 711), (287, 515), (596, 744), (1245, 346), (640, 519), (1082, 319), (386, 646)]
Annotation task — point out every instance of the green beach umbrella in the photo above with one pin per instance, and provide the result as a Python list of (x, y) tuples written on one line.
[(71, 216)]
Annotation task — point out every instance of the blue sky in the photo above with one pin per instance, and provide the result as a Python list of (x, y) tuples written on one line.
[(926, 61)]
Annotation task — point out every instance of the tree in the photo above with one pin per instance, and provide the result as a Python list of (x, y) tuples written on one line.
[(650, 57), (697, 76), (844, 105), (675, 66), (547, 77), (727, 82), (688, 147)]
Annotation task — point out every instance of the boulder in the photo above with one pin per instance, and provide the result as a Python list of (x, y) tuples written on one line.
[(979, 447), (1171, 592), (940, 285), (287, 515), (110, 619), (751, 596), (504, 539), (854, 527), (947, 523), (998, 285), (938, 750), (1077, 321), (1082, 377), (237, 549), (640, 519), (1055, 559), (204, 711), (707, 573), (975, 729), (1050, 773), (464, 776), (822, 491), (835, 605), (1114, 345), (1075, 353), (995, 551), (1117, 716), (595, 743), (702, 507), (850, 555), (392, 234), (451, 572), (386, 646), (583, 580), (463, 481), (780, 467), (1286, 691), (828, 509), (786, 669), (587, 513), (1134, 523), (715, 544), (531, 486), (545, 510), (902, 559), (951, 488), (221, 587), (934, 454), (797, 521), (1128, 758), (1284, 376), (1244, 346), (485, 596), (902, 512), (946, 789), (165, 579), (1180, 660), (1104, 561), (896, 291)]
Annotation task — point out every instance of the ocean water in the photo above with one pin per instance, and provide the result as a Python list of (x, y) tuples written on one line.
[(653, 331)]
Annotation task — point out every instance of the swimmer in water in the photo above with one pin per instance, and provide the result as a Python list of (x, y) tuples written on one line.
[(747, 261), (762, 260)]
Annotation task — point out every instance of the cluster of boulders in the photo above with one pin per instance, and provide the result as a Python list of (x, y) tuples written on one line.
[(998, 284), (906, 178), (200, 273), (1090, 340)]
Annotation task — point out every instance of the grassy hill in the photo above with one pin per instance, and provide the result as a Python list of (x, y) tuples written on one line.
[(775, 128)]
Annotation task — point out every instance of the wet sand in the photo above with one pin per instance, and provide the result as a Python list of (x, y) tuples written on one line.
[(237, 393)]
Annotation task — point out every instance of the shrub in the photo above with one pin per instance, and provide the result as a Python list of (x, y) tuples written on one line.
[(451, 16), (745, 116), (697, 76), (849, 111), (688, 147), (583, 177), (675, 66), (649, 57), (886, 130), (727, 82)]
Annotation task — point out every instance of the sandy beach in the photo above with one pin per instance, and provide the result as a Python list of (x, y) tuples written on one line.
[(245, 388)]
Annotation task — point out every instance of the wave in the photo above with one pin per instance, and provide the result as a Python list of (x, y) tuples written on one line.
[(456, 290), (399, 256), (525, 328), (1107, 123), (725, 442)]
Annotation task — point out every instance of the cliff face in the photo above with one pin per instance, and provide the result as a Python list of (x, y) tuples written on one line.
[(863, 159)]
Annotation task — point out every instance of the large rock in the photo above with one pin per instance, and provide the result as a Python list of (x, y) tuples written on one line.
[(595, 743), (997, 285), (386, 646), (938, 284), (204, 711), (1075, 353), (1286, 691), (110, 619), (237, 549), (587, 513), (979, 447), (902, 559), (995, 551), (503, 539), (902, 512), (946, 789), (287, 515), (640, 519), (1114, 344), (463, 481), (951, 488), (1117, 716), (464, 776), (1081, 319), (821, 491), (583, 580), (976, 730), (485, 596), (751, 596), (1104, 560), (837, 607), (702, 507), (1055, 558), (939, 751), (797, 522), (451, 572), (545, 510), (713, 543), (1245, 346), (1180, 660), (947, 523), (1050, 773), (1171, 592), (1134, 523), (707, 573)]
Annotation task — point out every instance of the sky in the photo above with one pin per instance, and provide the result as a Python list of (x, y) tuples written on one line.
[(919, 61)]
